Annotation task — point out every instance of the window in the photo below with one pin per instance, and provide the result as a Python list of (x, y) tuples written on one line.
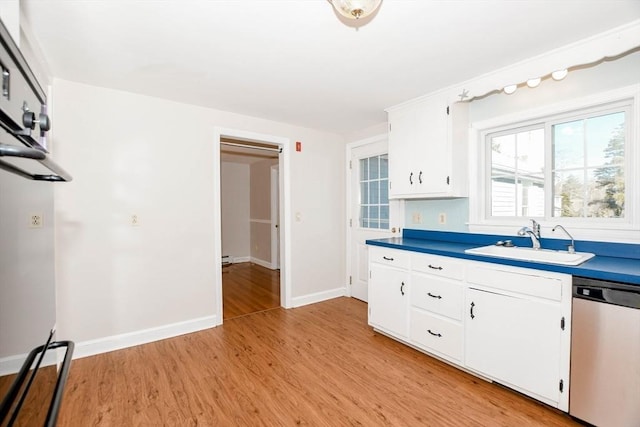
[(572, 165), (588, 167), (374, 192)]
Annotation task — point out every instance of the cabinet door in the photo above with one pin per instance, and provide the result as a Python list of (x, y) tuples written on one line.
[(432, 153), (388, 299), (401, 135), (514, 340)]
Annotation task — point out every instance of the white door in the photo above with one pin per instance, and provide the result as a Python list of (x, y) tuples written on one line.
[(371, 215)]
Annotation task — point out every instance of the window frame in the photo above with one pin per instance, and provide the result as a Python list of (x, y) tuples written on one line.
[(622, 229)]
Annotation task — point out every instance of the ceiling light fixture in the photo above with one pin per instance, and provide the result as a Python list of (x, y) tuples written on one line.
[(510, 89), (534, 82), (355, 9), (559, 74)]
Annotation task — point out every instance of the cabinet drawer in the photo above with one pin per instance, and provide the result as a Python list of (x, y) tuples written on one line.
[(390, 257), (434, 333), (438, 265), (438, 295), (528, 282)]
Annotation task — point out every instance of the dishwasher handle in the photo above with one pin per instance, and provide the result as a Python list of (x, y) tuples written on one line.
[(608, 295)]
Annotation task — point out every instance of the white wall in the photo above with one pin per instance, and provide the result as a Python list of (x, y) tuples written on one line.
[(131, 154), (10, 15), (235, 196)]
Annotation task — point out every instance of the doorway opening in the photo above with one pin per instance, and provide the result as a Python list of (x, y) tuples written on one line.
[(252, 270)]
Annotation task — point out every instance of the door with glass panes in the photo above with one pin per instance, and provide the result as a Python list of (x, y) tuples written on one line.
[(372, 216)]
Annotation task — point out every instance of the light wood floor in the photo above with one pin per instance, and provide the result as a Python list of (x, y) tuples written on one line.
[(318, 365), (249, 288)]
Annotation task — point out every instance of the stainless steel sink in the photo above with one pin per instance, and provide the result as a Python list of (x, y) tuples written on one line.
[(546, 256)]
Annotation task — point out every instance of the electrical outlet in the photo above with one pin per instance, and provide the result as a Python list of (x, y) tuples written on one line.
[(35, 220), (417, 218), (442, 218), (135, 220)]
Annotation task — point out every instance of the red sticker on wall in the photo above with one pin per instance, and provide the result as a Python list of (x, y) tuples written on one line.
[(298, 146)]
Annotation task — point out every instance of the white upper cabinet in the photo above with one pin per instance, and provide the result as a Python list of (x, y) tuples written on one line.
[(428, 149)]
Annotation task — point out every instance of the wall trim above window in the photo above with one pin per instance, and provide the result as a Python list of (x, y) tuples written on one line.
[(586, 52), (622, 230)]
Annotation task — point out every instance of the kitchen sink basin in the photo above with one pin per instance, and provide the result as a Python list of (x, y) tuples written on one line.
[(546, 256)]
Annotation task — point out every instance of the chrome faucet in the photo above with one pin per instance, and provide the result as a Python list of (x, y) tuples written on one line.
[(571, 248), (533, 232)]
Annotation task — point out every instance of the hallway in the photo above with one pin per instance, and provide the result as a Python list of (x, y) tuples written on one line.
[(249, 288)]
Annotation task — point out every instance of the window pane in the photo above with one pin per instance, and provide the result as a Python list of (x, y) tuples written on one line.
[(384, 212), (605, 192), (517, 173), (374, 168), (530, 152), (374, 212), (364, 169), (568, 145), (364, 216), (503, 197), (364, 193), (605, 139), (384, 192), (532, 199), (374, 194), (384, 166), (568, 194), (503, 152)]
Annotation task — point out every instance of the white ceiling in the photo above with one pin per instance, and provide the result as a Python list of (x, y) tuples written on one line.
[(294, 61)]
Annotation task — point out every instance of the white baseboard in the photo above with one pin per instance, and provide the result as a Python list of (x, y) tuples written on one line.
[(117, 342), (239, 259), (261, 262), (318, 297), (12, 364)]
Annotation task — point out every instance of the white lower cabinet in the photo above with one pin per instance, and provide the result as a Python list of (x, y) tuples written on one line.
[(515, 341), (389, 297), (507, 324), (517, 329)]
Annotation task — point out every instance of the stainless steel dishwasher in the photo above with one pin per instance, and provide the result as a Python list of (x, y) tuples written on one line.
[(605, 353)]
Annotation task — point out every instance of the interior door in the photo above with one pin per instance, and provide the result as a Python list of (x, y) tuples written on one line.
[(372, 216)]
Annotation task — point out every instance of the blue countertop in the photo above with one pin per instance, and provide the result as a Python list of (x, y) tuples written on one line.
[(618, 262)]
